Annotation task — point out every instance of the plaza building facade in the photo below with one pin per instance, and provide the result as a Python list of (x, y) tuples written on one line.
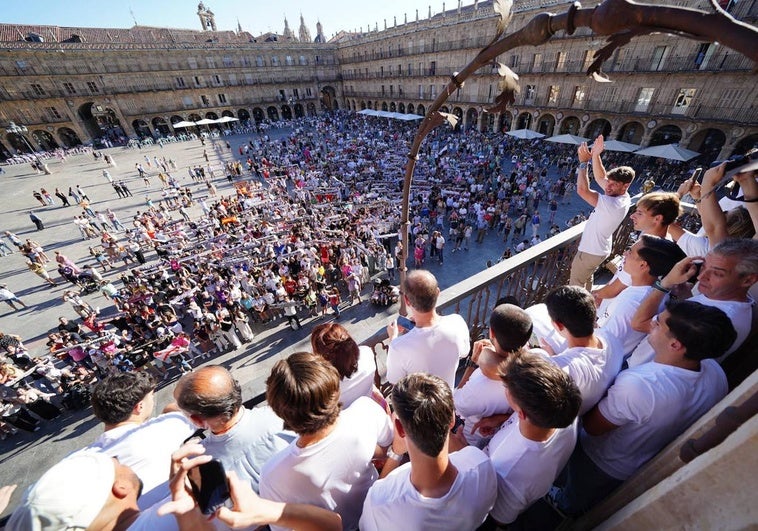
[(78, 85)]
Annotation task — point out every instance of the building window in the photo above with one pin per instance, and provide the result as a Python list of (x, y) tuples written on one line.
[(259, 61), (382, 90), (211, 62), (303, 60), (248, 79), (92, 87), (529, 93), (296, 94), (205, 100), (232, 79), (69, 88), (392, 90), (53, 112), (410, 69), (217, 80), (683, 100), (588, 58), (399, 90), (187, 101), (578, 95), (308, 92), (198, 81), (537, 62), (659, 55), (420, 92), (433, 68), (282, 95), (560, 61), (192, 62), (644, 98), (37, 89), (222, 98), (399, 70), (180, 82), (515, 60), (381, 71), (553, 93), (274, 61), (288, 60), (228, 61)]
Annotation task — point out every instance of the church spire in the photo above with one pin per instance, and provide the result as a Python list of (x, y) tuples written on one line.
[(239, 26), (288, 33), (305, 34), (319, 33)]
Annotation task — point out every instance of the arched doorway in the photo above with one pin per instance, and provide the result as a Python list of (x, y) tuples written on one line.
[(228, 113), (601, 126), (194, 117), (286, 112), (504, 124), (211, 116), (667, 134), (444, 109), (489, 123), (393, 107), (363, 105), (16, 141), (329, 98), (411, 108), (175, 119), (243, 115), (401, 108), (299, 110), (524, 120), (421, 110), (68, 137), (546, 124), (384, 106), (570, 126), (101, 121), (311, 108), (708, 142), (746, 144), (258, 115), (631, 132), (45, 140), (273, 114), (141, 128), (4, 153), (160, 126)]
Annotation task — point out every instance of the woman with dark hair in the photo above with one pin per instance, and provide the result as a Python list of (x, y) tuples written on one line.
[(355, 365)]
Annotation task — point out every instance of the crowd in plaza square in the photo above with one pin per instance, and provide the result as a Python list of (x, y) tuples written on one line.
[(313, 220)]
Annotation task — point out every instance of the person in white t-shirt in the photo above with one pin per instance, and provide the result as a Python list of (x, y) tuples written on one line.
[(124, 402), (436, 489), (649, 405), (532, 447), (592, 360), (330, 463), (355, 364), (436, 343), (610, 209)]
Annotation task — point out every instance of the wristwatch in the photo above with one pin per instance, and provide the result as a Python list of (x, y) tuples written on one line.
[(583, 165), (391, 454)]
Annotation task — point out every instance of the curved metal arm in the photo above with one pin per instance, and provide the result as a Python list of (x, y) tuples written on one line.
[(621, 20)]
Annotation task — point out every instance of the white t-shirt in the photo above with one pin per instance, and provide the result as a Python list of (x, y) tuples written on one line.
[(651, 404), (394, 503), (147, 449), (432, 350), (361, 382), (336, 472), (616, 318), (693, 245), (740, 313), (526, 469), (256, 438), (592, 369), (604, 220), (543, 329), (479, 398)]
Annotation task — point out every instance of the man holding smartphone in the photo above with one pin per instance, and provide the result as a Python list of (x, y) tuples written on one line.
[(436, 342)]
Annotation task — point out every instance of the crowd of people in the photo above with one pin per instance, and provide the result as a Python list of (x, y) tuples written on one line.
[(297, 239)]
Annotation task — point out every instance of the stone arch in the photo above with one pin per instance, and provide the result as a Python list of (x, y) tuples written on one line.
[(286, 112), (746, 144), (273, 114), (385, 107), (45, 140), (421, 110), (363, 105), (444, 108), (298, 108), (600, 126), (631, 132), (472, 118), (16, 141), (401, 107), (546, 124), (160, 125), (68, 137), (524, 120), (243, 115), (329, 98), (393, 107), (570, 126), (504, 122), (665, 134), (459, 113), (5, 153), (175, 119), (228, 113), (100, 121), (258, 114), (194, 117), (211, 116), (411, 108), (311, 108), (708, 142), (141, 128)]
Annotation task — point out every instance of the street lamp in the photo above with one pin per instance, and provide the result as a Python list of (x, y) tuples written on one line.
[(21, 130)]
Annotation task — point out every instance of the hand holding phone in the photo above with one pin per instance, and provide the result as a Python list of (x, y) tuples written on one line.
[(210, 487), (405, 323)]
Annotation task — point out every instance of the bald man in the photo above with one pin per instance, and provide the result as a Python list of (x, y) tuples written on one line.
[(242, 439)]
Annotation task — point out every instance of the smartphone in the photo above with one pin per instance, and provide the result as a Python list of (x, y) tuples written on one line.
[(697, 172), (405, 322), (209, 486)]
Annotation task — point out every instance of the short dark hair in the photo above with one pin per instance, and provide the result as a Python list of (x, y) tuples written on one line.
[(511, 326), (660, 254), (424, 405), (115, 396), (421, 290), (704, 331), (332, 342), (548, 396), (574, 308), (304, 391), (664, 204), (209, 392), (622, 174)]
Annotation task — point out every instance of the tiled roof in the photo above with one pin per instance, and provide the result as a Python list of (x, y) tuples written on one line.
[(136, 34)]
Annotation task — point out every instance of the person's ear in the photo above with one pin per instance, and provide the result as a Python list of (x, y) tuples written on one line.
[(399, 427)]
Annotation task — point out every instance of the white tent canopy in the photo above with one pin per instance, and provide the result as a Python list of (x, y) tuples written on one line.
[(668, 151), (617, 145), (525, 134), (206, 121), (567, 139), (393, 115), (184, 124), (225, 119)]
